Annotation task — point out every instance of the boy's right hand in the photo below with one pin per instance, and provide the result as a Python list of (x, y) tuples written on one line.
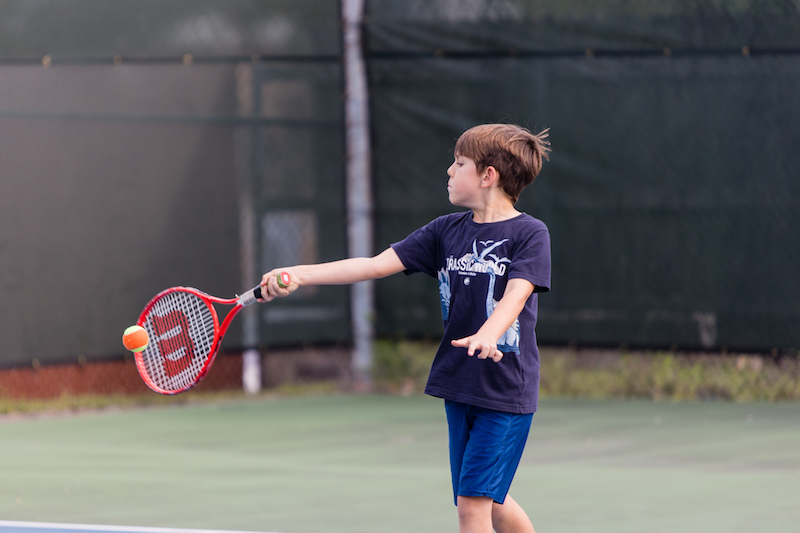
[(273, 286), (482, 346)]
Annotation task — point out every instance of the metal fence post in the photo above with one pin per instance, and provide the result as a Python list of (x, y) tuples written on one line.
[(359, 186)]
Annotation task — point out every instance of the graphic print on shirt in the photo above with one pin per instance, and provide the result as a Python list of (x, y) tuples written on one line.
[(444, 292), (488, 263)]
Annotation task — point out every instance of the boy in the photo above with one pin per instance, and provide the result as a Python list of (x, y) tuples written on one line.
[(491, 261)]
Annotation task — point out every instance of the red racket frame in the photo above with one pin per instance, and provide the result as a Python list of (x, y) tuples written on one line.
[(238, 303), (219, 333)]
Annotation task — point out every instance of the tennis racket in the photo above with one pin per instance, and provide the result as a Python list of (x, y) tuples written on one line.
[(185, 335)]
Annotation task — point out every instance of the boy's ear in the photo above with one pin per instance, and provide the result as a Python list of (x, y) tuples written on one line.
[(490, 176)]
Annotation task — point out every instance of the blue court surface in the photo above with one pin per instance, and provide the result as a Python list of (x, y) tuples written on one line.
[(9, 526)]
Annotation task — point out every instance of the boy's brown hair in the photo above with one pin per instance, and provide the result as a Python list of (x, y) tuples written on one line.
[(512, 150)]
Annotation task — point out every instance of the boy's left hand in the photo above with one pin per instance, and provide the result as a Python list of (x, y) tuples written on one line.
[(484, 346)]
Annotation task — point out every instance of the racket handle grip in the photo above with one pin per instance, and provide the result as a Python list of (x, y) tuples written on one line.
[(255, 293), (251, 296)]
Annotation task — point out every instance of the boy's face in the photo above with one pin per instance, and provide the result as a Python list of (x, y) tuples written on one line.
[(464, 185)]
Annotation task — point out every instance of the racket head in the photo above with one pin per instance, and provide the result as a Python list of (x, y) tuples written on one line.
[(184, 336)]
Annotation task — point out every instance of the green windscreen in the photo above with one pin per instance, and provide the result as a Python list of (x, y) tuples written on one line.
[(671, 195)]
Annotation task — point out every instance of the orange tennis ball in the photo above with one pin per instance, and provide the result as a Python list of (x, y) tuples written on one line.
[(135, 338)]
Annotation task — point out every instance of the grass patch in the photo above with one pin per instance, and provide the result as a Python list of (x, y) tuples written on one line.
[(86, 402), (665, 375), (402, 367), (76, 403)]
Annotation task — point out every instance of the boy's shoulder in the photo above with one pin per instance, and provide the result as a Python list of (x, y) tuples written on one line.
[(525, 218), (449, 221), (529, 221), (460, 226), (522, 222), (458, 216)]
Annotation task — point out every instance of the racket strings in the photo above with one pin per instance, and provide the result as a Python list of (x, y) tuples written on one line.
[(182, 331)]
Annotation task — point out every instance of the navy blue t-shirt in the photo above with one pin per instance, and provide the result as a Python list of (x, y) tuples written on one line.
[(473, 262)]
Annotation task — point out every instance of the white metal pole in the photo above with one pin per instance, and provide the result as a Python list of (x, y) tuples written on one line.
[(243, 137), (359, 185)]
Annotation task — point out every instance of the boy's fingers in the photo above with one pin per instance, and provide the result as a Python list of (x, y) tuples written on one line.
[(460, 343), (270, 289), (471, 348), (467, 343), (483, 351), (275, 289), (265, 297)]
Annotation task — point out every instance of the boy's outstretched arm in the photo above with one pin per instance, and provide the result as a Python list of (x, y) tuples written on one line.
[(341, 272), (484, 341)]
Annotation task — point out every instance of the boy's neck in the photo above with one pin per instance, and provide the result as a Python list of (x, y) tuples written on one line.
[(494, 213)]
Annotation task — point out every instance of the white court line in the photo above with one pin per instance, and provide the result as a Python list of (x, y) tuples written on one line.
[(96, 527)]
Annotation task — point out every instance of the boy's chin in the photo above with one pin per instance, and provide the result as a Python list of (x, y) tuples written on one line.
[(454, 201)]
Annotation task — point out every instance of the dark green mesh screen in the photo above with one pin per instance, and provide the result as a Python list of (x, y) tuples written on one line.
[(671, 195), (79, 30), (298, 194), (130, 150)]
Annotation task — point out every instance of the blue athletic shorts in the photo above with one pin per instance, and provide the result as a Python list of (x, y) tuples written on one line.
[(485, 449)]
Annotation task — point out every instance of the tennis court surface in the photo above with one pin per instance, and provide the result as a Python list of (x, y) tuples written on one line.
[(9, 526), (379, 464)]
